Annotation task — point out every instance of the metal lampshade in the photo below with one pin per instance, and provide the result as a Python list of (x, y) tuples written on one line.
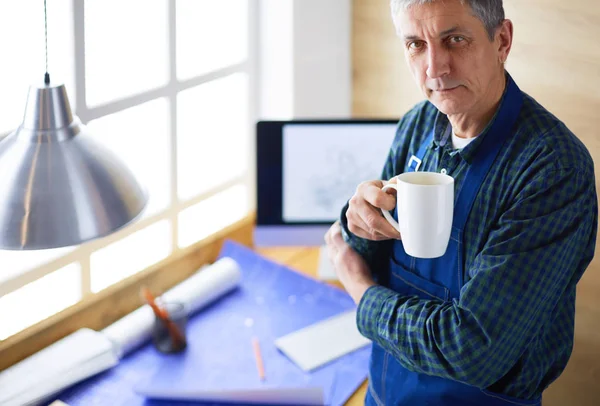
[(59, 187)]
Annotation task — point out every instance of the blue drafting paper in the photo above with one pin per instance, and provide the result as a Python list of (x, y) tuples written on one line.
[(272, 301)]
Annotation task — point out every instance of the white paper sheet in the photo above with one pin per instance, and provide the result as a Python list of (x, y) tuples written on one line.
[(323, 342), (71, 359)]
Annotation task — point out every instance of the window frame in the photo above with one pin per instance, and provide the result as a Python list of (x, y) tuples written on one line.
[(82, 254)]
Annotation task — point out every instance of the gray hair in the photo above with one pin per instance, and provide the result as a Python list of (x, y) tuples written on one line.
[(490, 12)]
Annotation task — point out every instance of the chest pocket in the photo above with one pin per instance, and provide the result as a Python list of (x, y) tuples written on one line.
[(408, 283)]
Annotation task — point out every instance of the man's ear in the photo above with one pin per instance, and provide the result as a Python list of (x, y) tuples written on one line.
[(503, 39)]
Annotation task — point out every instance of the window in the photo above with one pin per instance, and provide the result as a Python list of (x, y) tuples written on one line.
[(169, 89), (22, 51), (139, 135), (212, 214), (198, 24), (135, 253), (52, 293), (132, 56), (212, 134)]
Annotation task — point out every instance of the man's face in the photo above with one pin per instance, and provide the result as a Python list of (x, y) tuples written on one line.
[(450, 54)]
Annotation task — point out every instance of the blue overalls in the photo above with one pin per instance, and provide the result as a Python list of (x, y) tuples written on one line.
[(441, 279)]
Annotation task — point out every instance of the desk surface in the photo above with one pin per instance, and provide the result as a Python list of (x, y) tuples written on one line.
[(306, 259)]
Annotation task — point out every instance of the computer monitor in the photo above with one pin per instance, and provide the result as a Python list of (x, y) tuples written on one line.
[(308, 169)]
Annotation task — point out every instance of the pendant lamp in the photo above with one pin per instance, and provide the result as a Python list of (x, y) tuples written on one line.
[(58, 186)]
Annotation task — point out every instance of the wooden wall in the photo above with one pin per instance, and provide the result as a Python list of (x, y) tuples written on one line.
[(556, 59)]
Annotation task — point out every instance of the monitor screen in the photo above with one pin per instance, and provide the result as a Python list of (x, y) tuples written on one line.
[(307, 171)]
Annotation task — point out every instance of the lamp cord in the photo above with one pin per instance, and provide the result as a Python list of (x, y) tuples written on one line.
[(47, 75)]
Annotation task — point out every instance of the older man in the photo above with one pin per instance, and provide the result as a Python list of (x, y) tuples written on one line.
[(491, 322)]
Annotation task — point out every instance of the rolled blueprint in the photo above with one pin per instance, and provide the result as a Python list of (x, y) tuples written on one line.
[(207, 285), (85, 352)]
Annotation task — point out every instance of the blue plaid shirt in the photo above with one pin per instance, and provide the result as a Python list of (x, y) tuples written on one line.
[(528, 240)]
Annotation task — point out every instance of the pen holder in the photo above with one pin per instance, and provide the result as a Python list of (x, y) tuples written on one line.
[(169, 336)]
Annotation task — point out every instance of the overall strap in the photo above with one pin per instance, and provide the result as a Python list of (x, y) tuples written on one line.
[(414, 163), (487, 152)]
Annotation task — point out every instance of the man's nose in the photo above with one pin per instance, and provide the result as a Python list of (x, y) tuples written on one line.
[(438, 62)]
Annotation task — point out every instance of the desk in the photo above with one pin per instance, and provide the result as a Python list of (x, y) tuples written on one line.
[(116, 386), (305, 259)]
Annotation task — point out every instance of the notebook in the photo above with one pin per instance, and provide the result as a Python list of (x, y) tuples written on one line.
[(318, 344)]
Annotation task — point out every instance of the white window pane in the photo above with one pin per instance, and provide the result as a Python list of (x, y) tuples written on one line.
[(126, 48), (213, 214), (212, 134), (140, 136), (39, 300), (130, 255), (23, 54), (18, 262), (211, 34)]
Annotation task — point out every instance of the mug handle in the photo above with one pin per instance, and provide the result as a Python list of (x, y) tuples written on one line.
[(386, 213)]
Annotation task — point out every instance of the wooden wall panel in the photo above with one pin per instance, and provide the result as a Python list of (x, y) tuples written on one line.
[(382, 84), (556, 59)]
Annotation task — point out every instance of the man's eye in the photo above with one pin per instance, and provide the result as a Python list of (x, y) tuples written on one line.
[(415, 45), (456, 39)]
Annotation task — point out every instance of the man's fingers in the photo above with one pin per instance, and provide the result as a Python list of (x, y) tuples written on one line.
[(356, 225), (335, 242), (336, 234), (378, 198), (377, 223), (331, 248), (370, 219), (364, 214), (374, 236), (331, 253), (377, 229)]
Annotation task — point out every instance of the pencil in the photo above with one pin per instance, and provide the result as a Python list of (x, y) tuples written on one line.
[(259, 361)]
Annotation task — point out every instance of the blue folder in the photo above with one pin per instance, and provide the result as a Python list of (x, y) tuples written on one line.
[(270, 302)]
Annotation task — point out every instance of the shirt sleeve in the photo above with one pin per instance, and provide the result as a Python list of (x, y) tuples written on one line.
[(540, 246)]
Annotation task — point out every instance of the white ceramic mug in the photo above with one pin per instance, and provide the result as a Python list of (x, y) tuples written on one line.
[(425, 204)]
